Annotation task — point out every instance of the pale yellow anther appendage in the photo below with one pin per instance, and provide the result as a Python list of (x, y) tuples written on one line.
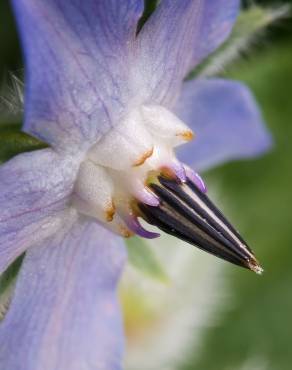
[(125, 232), (187, 135), (110, 211), (141, 160)]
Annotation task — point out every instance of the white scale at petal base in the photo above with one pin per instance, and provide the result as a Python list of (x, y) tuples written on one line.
[(116, 168)]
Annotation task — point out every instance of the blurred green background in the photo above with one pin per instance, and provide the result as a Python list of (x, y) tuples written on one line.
[(255, 331), (259, 322)]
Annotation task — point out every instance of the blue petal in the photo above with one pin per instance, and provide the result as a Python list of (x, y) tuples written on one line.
[(217, 22), (64, 314), (226, 120), (77, 62), (34, 190), (176, 37)]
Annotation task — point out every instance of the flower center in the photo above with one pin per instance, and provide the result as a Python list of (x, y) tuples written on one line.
[(132, 172), (116, 172)]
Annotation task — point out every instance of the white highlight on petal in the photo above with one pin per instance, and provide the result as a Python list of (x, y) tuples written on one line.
[(166, 126), (125, 145), (93, 192)]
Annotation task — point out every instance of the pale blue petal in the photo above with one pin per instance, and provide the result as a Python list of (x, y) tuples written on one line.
[(34, 190), (217, 23), (65, 314), (226, 120), (77, 63), (176, 37)]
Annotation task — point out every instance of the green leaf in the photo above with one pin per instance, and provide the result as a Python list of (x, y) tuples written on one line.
[(7, 282), (13, 141), (142, 257), (250, 23)]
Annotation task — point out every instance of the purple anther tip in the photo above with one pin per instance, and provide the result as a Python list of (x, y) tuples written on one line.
[(147, 197), (134, 224), (179, 171), (196, 179)]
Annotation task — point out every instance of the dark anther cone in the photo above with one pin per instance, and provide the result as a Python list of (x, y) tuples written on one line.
[(188, 214)]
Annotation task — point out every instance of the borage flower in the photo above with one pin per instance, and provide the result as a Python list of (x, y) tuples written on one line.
[(111, 102)]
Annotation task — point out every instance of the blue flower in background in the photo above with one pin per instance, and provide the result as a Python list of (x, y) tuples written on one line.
[(112, 104)]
